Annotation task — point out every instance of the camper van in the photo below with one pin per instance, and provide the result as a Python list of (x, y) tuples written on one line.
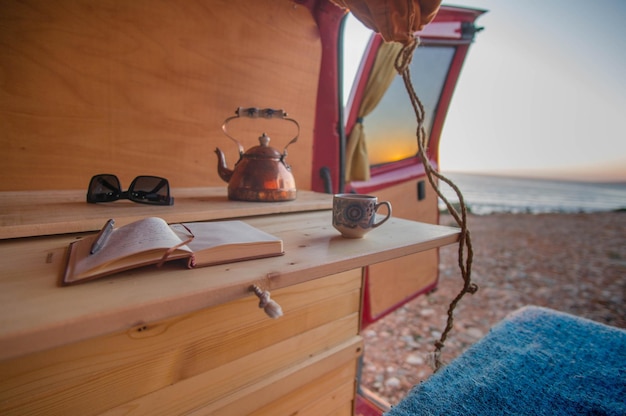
[(208, 97)]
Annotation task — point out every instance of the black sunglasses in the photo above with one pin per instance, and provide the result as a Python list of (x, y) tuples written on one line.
[(144, 189)]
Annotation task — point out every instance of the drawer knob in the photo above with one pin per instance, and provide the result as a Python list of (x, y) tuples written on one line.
[(270, 306)]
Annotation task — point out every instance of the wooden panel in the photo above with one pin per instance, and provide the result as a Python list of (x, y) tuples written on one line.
[(36, 314), (143, 87), (405, 205), (346, 409), (336, 402), (221, 382), (392, 282), (116, 369), (316, 387)]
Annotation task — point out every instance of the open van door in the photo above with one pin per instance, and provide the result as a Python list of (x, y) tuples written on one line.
[(396, 173)]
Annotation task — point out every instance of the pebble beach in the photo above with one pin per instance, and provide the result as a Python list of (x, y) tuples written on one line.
[(574, 263)]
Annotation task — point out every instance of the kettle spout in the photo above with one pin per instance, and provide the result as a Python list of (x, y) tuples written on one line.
[(222, 169)]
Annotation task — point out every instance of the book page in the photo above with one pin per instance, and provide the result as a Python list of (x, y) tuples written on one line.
[(225, 241), (215, 233), (149, 235)]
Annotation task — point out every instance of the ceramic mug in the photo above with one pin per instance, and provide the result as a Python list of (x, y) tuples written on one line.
[(354, 215)]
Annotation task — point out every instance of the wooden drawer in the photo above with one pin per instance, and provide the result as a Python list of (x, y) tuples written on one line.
[(229, 359)]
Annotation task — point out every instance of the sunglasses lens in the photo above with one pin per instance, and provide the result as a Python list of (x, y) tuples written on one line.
[(104, 188), (150, 190)]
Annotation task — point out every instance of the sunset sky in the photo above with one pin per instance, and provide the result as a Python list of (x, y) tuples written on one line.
[(543, 92)]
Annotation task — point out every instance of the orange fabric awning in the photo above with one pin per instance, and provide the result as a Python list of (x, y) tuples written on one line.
[(395, 20)]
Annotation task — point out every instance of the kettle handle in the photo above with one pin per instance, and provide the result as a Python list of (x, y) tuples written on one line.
[(254, 112)]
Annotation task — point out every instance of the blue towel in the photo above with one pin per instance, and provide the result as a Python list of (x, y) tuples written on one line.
[(535, 362)]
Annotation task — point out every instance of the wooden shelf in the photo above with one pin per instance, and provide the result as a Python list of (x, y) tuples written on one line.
[(36, 313), (35, 213)]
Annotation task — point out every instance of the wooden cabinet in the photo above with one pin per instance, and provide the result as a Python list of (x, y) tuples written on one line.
[(169, 340), (228, 359)]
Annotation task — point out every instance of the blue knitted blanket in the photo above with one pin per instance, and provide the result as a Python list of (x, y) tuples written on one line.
[(535, 362)]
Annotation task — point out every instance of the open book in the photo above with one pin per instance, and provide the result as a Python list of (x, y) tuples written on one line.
[(152, 240)]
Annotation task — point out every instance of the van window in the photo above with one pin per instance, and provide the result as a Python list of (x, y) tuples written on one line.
[(355, 39), (390, 129)]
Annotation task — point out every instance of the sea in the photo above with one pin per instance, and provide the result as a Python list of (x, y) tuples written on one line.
[(487, 194)]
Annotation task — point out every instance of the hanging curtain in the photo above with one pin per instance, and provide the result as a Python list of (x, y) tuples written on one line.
[(395, 20), (383, 73)]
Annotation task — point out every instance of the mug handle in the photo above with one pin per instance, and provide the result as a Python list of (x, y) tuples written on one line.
[(388, 204)]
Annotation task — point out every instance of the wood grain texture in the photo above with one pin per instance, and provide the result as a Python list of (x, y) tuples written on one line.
[(35, 213), (111, 371), (303, 386), (143, 87), (208, 394), (410, 275), (35, 313), (403, 198), (325, 395)]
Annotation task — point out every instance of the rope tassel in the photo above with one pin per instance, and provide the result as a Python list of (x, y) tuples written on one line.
[(271, 308)]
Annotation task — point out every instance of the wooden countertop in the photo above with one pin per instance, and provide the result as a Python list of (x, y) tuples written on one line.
[(37, 314), (33, 213)]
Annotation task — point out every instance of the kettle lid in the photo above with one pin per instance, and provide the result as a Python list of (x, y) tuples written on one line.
[(263, 150)]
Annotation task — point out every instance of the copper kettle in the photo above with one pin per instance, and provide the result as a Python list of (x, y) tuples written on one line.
[(261, 174)]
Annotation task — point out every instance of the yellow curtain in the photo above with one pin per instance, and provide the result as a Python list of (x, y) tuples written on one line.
[(383, 73)]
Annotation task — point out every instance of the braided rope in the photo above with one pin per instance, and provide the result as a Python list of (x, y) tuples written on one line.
[(402, 63)]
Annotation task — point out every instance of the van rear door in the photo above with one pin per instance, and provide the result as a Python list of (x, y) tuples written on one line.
[(395, 172)]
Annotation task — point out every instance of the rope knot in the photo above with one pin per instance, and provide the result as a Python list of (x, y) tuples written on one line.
[(403, 60), (473, 288)]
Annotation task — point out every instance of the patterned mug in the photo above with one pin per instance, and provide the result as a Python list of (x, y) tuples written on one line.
[(354, 215)]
